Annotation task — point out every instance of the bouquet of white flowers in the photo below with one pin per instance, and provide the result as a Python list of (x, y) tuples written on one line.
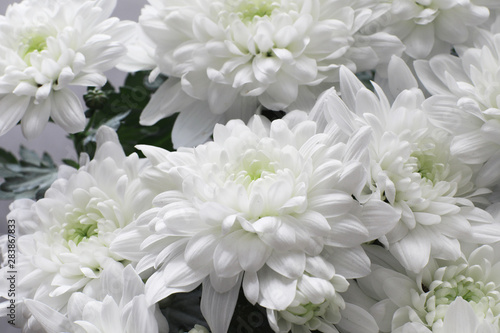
[(267, 166)]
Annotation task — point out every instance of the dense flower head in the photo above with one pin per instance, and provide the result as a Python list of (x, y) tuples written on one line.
[(429, 27), (260, 206), (67, 234), (318, 304), (229, 56), (465, 102), (447, 296), (114, 303), (48, 46), (413, 170)]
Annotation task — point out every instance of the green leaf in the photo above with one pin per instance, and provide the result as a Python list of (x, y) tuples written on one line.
[(28, 177), (71, 163), (121, 111), (7, 157)]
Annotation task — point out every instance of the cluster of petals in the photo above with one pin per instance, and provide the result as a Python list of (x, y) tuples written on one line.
[(49, 46), (64, 238), (226, 57), (461, 296), (265, 206), (429, 27), (413, 170), (114, 303), (465, 102)]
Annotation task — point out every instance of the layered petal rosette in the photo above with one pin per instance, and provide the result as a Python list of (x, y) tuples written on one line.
[(429, 27), (413, 170), (461, 296), (465, 102), (64, 238), (227, 57), (114, 303), (49, 46), (266, 206)]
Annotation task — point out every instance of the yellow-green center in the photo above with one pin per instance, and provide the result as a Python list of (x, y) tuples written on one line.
[(255, 164), (32, 43), (249, 9), (81, 225), (481, 295)]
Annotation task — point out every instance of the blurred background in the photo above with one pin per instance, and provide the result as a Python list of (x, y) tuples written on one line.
[(53, 140)]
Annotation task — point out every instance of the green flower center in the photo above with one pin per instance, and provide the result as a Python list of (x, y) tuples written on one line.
[(481, 295), (81, 225), (253, 165), (460, 286), (248, 9), (32, 43), (428, 167)]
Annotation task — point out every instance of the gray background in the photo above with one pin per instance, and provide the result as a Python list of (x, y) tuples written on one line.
[(53, 140)]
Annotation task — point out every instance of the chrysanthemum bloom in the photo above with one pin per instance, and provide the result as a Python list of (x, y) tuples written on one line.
[(250, 207), (48, 46), (461, 296), (114, 303), (413, 170), (465, 102), (430, 26), (226, 57), (318, 305), (69, 230)]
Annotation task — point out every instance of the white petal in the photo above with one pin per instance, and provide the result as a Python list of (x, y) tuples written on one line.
[(218, 308), (194, 126), (349, 87), (67, 111), (276, 291), (489, 173), (35, 119), (401, 76), (251, 287), (413, 250), (460, 317), (351, 263), (289, 264), (356, 319), (167, 100), (51, 320), (13, 109), (221, 97), (420, 41)]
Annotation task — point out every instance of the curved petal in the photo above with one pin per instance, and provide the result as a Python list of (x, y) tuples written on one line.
[(13, 109), (35, 119), (67, 111), (218, 308)]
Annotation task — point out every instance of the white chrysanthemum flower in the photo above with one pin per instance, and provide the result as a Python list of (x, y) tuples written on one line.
[(461, 296), (318, 305), (430, 26), (413, 170), (226, 57), (71, 228), (250, 207), (465, 102), (48, 46), (114, 303)]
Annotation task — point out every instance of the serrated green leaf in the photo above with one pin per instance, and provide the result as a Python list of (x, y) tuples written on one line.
[(47, 161), (27, 178), (7, 157), (28, 156)]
